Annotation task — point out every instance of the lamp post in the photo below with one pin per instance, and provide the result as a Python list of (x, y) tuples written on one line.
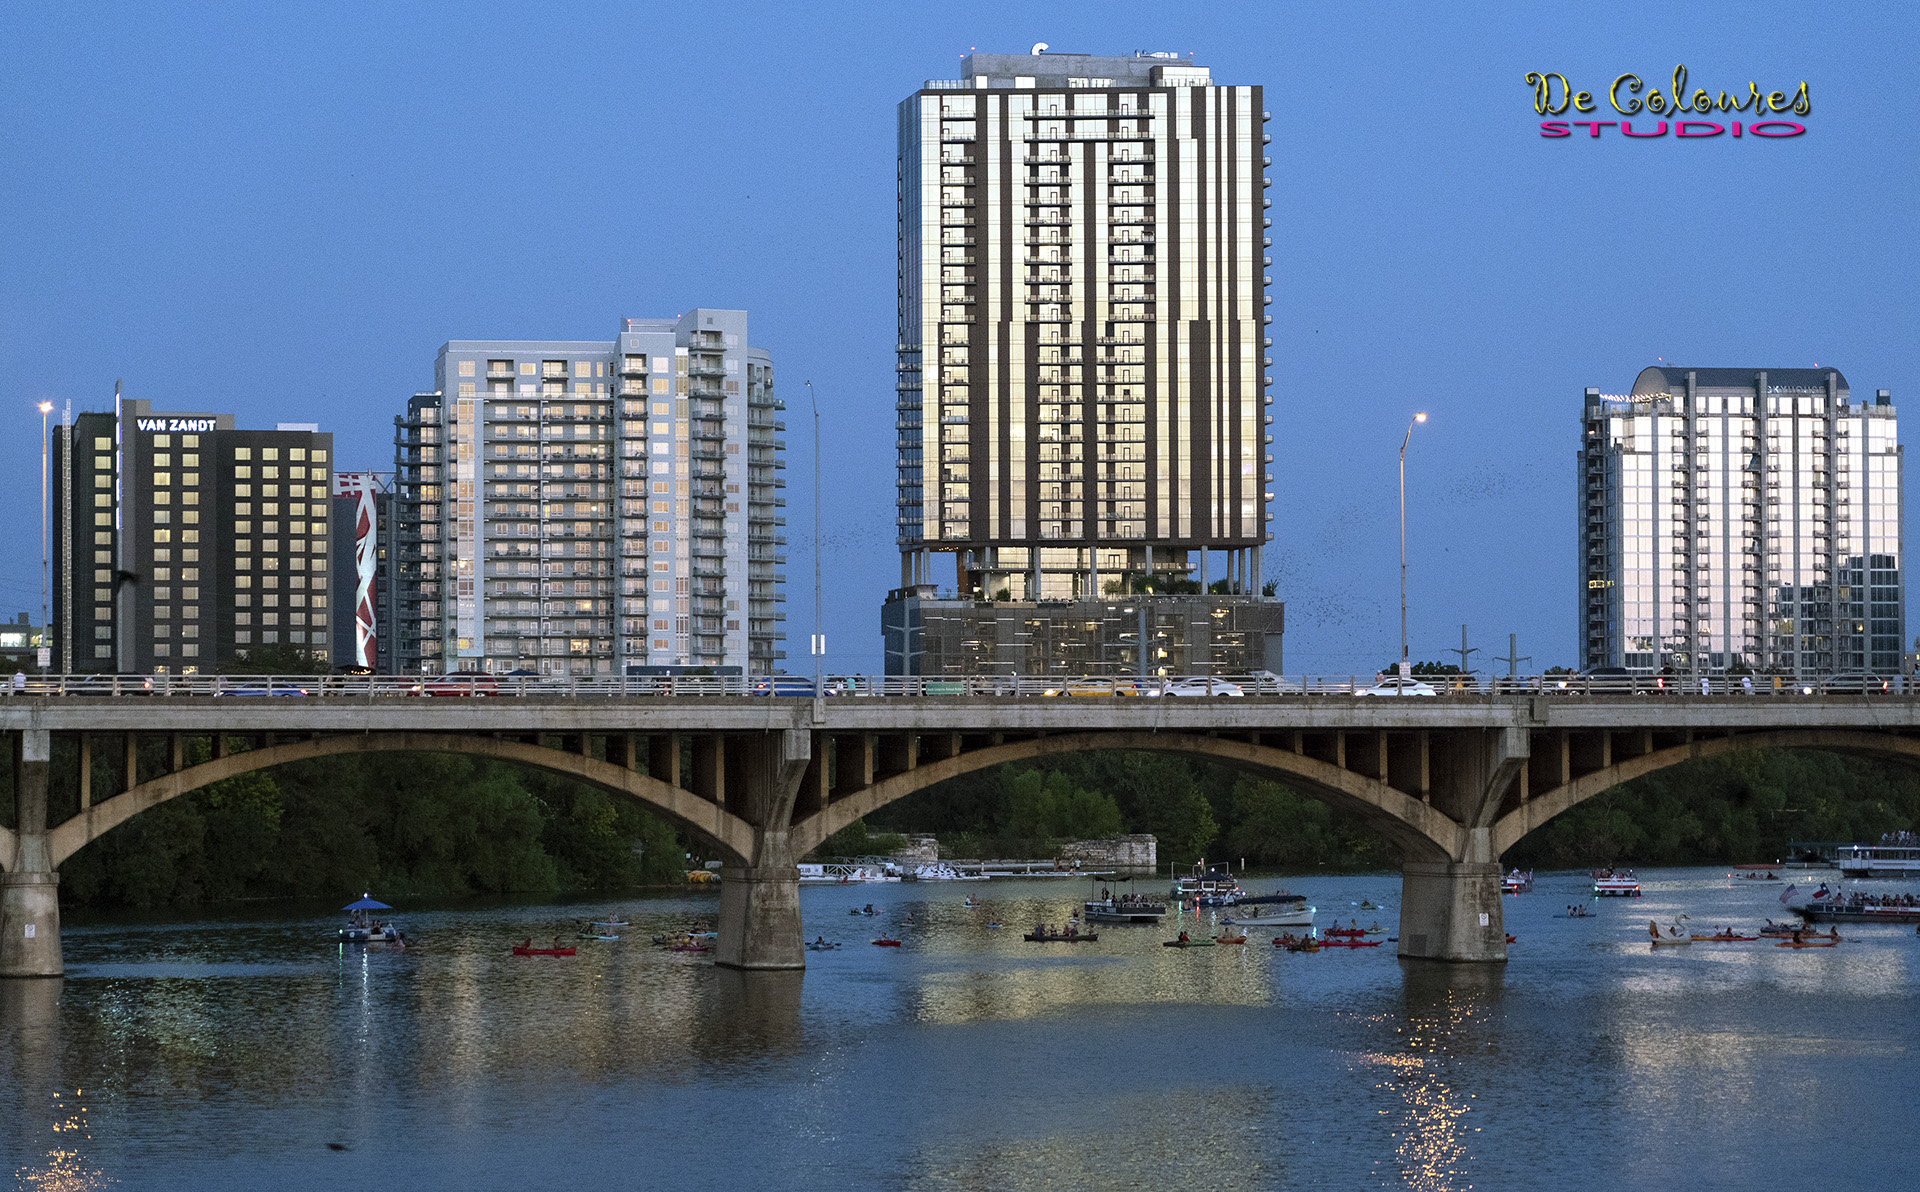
[(1403, 541), (819, 634), (46, 408)]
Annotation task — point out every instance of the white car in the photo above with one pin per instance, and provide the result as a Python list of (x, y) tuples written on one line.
[(1395, 685), (1197, 685)]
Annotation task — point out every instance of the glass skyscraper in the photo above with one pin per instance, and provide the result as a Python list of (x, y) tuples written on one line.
[(1741, 517), (1082, 311)]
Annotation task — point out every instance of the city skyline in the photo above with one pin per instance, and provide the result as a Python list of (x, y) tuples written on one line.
[(1430, 237)]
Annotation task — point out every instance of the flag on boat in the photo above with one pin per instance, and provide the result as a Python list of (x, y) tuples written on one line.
[(1787, 893)]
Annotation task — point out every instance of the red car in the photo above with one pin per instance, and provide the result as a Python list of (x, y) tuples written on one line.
[(459, 683)]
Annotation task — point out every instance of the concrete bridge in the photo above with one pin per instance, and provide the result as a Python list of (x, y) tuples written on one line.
[(1452, 782)]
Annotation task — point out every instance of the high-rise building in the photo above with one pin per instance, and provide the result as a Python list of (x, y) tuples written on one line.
[(181, 543), (1082, 294), (585, 507), (1735, 517), (362, 503)]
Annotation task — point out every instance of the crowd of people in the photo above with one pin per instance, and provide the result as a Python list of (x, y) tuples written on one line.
[(1908, 839), (1857, 898)]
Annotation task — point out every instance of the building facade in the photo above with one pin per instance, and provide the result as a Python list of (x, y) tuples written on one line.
[(181, 543), (1183, 635), (1741, 518), (581, 507), (1082, 309)]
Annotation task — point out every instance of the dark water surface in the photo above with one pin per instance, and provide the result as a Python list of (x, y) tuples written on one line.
[(239, 1053)]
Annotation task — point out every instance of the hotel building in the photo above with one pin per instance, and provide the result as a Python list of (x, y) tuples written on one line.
[(1741, 517), (1082, 310), (586, 507), (181, 543)]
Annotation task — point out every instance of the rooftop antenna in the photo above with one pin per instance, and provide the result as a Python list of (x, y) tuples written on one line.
[(1039, 47)]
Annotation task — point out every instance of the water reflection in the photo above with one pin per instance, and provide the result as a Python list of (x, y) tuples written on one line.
[(1447, 1014), (52, 1126)]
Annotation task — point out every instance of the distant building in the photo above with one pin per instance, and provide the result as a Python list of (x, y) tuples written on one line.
[(181, 542), (1741, 517), (1081, 327), (583, 507), (19, 646), (1184, 635)]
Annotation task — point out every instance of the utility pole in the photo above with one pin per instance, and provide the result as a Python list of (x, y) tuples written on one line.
[(1464, 650), (1513, 658)]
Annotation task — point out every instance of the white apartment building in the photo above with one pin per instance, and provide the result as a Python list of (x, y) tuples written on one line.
[(586, 507), (1737, 517)]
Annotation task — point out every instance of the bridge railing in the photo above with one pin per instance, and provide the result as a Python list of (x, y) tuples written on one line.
[(1475, 687)]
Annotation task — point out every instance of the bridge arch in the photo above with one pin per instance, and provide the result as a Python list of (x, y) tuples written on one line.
[(1535, 812), (733, 836), (1416, 828)]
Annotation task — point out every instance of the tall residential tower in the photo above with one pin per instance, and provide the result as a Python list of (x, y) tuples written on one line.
[(1741, 517), (1082, 293), (584, 508)]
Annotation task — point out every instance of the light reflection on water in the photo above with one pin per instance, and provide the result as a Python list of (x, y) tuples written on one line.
[(240, 1054)]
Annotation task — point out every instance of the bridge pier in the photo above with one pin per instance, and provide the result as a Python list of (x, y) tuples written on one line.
[(30, 888), (1450, 910), (760, 899)]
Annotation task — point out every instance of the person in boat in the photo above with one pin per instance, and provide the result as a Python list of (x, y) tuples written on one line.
[(1183, 937), (1653, 929), (820, 939)]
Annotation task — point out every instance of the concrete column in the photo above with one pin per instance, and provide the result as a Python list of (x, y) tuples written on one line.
[(1450, 910), (30, 889), (760, 901)]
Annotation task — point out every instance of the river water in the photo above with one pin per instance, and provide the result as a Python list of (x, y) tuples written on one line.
[(248, 1051)]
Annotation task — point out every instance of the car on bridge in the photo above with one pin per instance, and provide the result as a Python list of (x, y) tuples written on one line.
[(1395, 685), (459, 683), (789, 685), (1194, 687), (1094, 687), (262, 689), (1857, 683)]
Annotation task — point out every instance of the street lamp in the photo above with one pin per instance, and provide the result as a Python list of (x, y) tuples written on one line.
[(819, 634), (1403, 541), (46, 408)]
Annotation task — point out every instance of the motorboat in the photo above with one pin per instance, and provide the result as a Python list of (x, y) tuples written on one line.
[(812, 874), (1519, 881), (1109, 907), (1282, 898), (1616, 883), (1827, 905), (1207, 887), (363, 928), (1278, 917)]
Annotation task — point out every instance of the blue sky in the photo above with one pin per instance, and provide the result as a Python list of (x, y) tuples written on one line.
[(282, 211)]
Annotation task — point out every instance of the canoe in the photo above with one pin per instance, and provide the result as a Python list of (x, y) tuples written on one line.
[(884, 942), (608, 923), (1187, 944), (588, 935), (1297, 946), (522, 951), (1341, 932), (1083, 938), (1349, 943), (1668, 941), (1724, 939), (1806, 943), (1228, 939)]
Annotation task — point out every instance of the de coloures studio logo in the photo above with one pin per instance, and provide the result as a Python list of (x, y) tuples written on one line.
[(1553, 95)]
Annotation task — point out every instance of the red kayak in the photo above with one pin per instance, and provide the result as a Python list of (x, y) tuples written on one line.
[(522, 950), (884, 942), (1349, 943), (1344, 932)]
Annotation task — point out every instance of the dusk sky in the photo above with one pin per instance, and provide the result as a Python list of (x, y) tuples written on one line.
[(281, 212)]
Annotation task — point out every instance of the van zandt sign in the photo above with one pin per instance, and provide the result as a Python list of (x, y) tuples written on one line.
[(175, 424), (1553, 95)]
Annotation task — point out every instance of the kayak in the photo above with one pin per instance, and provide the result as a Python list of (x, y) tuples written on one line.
[(1229, 939), (821, 946), (1349, 943), (884, 942), (1187, 944), (1724, 939), (520, 950), (1087, 937), (1669, 941), (1299, 945), (588, 935), (690, 948), (1806, 943)]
